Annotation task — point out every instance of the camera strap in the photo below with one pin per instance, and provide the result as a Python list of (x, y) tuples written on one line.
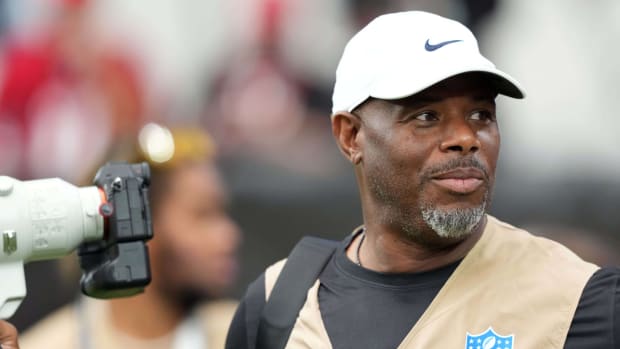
[(302, 268)]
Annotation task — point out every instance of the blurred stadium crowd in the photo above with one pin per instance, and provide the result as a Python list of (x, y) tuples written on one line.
[(80, 78)]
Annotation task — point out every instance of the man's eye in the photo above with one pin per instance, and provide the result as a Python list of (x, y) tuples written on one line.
[(425, 116), (482, 115)]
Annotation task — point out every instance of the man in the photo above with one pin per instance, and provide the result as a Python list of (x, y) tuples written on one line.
[(193, 257), (414, 112)]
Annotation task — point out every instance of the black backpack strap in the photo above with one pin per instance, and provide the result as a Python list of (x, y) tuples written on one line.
[(302, 268)]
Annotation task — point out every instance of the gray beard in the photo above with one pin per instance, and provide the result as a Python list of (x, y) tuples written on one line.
[(456, 223), (447, 223)]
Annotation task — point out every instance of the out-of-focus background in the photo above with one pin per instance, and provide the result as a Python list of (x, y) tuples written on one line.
[(79, 78)]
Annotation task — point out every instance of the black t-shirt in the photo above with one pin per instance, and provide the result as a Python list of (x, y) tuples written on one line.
[(366, 309)]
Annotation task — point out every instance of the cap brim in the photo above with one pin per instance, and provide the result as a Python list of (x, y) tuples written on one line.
[(401, 86), (505, 84)]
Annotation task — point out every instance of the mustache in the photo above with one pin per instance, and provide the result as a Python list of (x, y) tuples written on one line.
[(454, 164)]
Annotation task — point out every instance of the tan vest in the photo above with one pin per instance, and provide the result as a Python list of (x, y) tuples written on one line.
[(510, 281)]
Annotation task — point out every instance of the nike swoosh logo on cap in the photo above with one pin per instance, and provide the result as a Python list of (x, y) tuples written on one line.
[(430, 47)]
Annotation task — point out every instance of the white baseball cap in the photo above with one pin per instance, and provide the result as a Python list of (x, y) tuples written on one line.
[(400, 54)]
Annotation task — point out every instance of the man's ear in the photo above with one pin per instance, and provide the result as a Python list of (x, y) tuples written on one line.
[(346, 128)]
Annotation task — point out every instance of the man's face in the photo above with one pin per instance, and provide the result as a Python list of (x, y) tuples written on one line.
[(428, 161), (196, 242)]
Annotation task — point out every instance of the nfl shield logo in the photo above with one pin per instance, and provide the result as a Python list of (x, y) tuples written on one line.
[(489, 340)]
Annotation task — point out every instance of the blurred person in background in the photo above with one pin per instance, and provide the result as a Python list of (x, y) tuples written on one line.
[(193, 257), (62, 88), (265, 110), (66, 94)]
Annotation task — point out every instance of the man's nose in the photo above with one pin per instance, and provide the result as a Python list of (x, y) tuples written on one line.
[(460, 137)]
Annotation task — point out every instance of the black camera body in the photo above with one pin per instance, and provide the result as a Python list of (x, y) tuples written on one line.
[(118, 265)]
